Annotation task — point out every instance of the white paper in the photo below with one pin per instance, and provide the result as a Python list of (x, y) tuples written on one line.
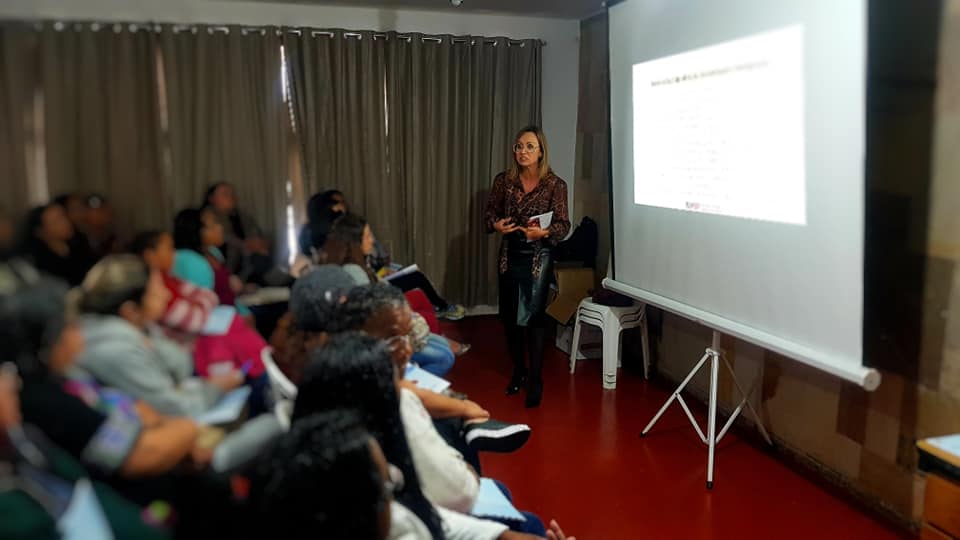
[(403, 272), (84, 518), (219, 321), (948, 443), (424, 379), (543, 219), (227, 410), (491, 502)]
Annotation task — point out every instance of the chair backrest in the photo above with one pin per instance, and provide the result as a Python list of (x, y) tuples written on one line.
[(283, 388)]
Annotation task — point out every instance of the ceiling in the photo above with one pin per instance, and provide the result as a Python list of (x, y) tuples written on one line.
[(561, 9)]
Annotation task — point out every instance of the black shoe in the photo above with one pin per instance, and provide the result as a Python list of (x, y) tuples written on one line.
[(516, 383), (496, 436), (534, 393)]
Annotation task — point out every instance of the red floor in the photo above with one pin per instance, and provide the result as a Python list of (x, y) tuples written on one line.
[(586, 466)]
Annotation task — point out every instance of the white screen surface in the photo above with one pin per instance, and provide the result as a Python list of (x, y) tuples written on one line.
[(720, 129), (779, 259)]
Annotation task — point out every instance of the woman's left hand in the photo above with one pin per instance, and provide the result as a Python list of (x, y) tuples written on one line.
[(535, 233)]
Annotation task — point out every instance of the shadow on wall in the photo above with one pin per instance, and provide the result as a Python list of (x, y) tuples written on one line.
[(471, 276)]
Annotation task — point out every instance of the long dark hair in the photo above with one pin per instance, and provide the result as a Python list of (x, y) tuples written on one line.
[(29, 242), (320, 481), (354, 371), (344, 244), (320, 216), (188, 230), (32, 317), (234, 216)]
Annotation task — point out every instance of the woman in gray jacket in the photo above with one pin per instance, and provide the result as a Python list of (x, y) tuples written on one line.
[(121, 301)]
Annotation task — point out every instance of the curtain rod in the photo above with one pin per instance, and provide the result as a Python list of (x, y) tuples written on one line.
[(118, 27)]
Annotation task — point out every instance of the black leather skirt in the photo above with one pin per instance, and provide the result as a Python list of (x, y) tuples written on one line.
[(525, 284)]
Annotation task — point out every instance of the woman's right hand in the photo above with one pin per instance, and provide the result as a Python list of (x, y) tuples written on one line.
[(473, 411), (505, 226)]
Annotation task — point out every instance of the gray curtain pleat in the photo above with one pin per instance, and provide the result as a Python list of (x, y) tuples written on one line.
[(228, 121), (101, 120), (18, 80)]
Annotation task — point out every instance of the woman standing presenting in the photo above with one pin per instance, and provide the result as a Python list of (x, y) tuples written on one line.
[(528, 189)]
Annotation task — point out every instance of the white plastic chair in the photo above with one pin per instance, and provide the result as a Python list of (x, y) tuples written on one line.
[(612, 322), (283, 390)]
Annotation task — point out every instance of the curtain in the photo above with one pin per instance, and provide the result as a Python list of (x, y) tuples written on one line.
[(593, 139), (18, 80), (101, 120), (227, 121), (413, 131), (338, 84), (455, 107)]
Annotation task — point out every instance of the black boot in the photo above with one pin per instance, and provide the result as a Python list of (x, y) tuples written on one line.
[(534, 393), (515, 335), (517, 381)]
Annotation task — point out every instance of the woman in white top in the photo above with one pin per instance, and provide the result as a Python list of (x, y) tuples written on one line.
[(354, 371)]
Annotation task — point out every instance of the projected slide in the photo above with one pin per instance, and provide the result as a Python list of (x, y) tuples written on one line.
[(721, 129)]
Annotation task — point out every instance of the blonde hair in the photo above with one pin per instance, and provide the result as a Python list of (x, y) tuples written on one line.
[(513, 169)]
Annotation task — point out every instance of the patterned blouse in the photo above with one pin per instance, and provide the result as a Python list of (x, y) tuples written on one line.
[(507, 200)]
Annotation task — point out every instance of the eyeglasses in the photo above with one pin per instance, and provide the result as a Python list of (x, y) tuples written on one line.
[(529, 147), (395, 341)]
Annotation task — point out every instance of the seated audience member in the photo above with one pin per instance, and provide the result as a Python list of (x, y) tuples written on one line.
[(346, 244), (289, 488), (379, 259), (188, 310), (49, 242), (121, 301), (113, 440), (322, 210), (189, 306), (351, 241), (353, 371), (314, 303), (99, 229), (245, 249), (42, 481), (197, 235), (368, 389), (123, 442), (381, 311), (75, 205)]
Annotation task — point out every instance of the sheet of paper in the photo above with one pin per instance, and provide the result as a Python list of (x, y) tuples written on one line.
[(947, 443), (544, 220), (219, 321), (403, 272), (491, 502), (84, 518), (424, 379), (227, 410)]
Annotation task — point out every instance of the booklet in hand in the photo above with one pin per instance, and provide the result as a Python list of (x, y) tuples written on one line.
[(543, 221)]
